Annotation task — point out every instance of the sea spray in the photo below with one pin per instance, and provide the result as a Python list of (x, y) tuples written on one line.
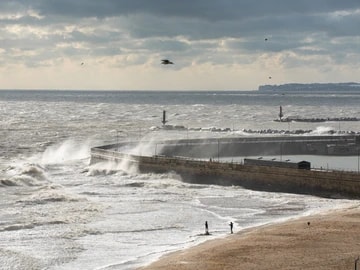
[(66, 151), (111, 167), (321, 130)]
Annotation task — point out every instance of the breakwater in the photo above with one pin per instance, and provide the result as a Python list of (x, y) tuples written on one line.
[(258, 177), (317, 120), (262, 146)]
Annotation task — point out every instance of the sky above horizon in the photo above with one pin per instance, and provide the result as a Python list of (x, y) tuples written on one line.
[(214, 44)]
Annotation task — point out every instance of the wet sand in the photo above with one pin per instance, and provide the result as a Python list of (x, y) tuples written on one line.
[(327, 241)]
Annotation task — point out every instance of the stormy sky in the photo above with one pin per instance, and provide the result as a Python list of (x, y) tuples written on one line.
[(215, 44)]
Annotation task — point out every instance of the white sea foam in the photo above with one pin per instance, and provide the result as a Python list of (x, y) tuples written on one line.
[(66, 151), (321, 130), (23, 173), (111, 167)]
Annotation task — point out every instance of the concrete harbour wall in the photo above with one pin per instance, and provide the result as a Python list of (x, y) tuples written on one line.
[(263, 145), (317, 182)]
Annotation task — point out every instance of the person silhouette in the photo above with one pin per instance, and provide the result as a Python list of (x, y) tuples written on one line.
[(206, 228), (231, 227)]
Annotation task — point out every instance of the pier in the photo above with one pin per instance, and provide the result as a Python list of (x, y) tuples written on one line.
[(197, 161)]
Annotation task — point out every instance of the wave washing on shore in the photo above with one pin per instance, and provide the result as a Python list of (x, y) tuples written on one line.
[(57, 212)]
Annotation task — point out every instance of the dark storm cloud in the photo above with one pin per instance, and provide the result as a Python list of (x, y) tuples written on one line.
[(211, 10), (201, 18), (111, 27)]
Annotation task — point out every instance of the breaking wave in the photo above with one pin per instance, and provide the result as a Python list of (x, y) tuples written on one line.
[(48, 194), (110, 167), (66, 151), (26, 174), (321, 130), (8, 182)]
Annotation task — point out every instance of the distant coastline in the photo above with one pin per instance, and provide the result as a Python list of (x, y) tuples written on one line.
[(349, 86)]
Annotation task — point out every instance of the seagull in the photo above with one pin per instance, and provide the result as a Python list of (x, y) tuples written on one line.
[(166, 62)]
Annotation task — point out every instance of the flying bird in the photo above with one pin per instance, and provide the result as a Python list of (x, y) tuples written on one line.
[(166, 62)]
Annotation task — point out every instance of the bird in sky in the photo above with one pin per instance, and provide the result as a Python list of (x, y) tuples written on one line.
[(166, 62)]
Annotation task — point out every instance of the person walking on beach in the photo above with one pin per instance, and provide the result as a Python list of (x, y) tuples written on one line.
[(231, 227), (206, 228)]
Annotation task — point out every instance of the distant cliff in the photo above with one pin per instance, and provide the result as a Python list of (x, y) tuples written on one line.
[(350, 86)]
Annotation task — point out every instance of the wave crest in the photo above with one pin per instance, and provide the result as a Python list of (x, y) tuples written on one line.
[(109, 167), (27, 174)]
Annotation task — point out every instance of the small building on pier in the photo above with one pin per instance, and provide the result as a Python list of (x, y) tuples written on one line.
[(304, 165)]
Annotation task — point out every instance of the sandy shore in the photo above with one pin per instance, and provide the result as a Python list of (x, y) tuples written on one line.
[(331, 241)]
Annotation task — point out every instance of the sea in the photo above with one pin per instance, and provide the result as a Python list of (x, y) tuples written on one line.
[(60, 212)]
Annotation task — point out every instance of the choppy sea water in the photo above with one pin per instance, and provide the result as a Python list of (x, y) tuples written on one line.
[(58, 212)]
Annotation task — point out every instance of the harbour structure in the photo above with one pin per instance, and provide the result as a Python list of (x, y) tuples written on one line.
[(164, 118), (336, 145), (258, 175), (304, 165), (316, 120), (313, 119)]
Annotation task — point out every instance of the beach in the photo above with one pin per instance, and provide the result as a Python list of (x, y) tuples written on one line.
[(324, 241)]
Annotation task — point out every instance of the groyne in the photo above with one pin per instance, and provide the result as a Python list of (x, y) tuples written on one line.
[(257, 177)]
